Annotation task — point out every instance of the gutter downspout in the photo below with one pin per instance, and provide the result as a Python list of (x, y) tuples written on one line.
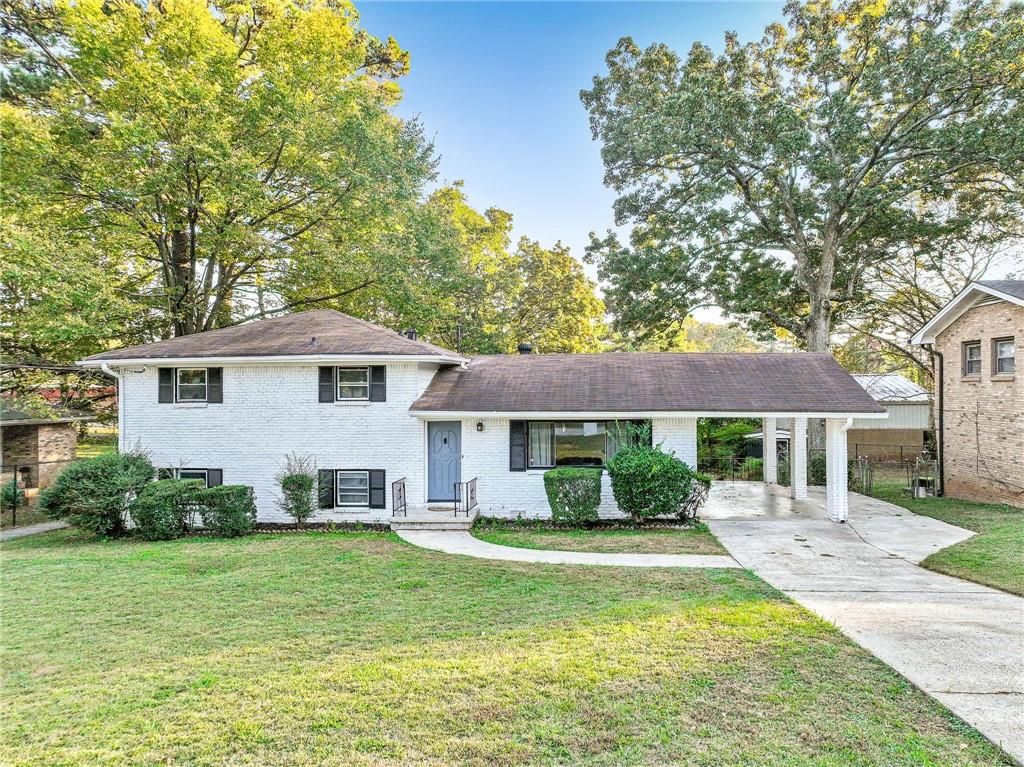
[(120, 404), (940, 441)]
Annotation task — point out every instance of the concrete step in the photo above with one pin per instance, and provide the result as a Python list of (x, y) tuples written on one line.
[(418, 519)]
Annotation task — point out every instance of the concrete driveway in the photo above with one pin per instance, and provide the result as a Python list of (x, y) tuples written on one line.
[(960, 642)]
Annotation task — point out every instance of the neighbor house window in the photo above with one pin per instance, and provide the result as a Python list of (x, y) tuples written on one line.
[(575, 443), (353, 383), (1003, 350), (191, 384), (972, 358), (353, 488)]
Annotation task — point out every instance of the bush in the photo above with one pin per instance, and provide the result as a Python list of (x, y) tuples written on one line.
[(298, 484), (698, 495), (165, 508), (816, 470), (11, 495), (95, 494), (751, 468), (228, 510), (648, 482), (573, 494)]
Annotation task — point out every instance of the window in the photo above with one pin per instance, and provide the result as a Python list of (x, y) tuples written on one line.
[(191, 385), (1003, 350), (353, 488), (575, 443), (194, 474), (972, 358), (353, 383)]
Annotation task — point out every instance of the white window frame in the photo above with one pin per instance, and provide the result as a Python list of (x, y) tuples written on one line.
[(204, 472), (997, 357), (337, 487), (338, 383), (968, 345), (178, 384)]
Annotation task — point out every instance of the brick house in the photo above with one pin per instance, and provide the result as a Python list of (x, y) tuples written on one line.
[(36, 447), (980, 403), (388, 417)]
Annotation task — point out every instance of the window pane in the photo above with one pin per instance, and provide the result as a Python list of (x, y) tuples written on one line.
[(1005, 352), (353, 488), (192, 376), (972, 359), (619, 435), (352, 375), (352, 392), (192, 392), (579, 443), (192, 384), (353, 383), (540, 445), (192, 474)]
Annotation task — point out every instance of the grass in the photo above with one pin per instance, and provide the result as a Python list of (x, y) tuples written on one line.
[(994, 557), (357, 649), (92, 446), (695, 540)]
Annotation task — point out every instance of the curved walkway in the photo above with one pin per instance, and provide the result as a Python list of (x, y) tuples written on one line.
[(21, 532), (458, 542)]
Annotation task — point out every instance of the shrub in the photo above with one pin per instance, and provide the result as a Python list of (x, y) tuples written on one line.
[(94, 494), (573, 494), (298, 483), (648, 482), (228, 510), (816, 470), (11, 495), (698, 495), (165, 509), (751, 468)]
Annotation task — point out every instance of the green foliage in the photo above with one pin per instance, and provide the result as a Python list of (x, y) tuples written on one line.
[(228, 510), (298, 488), (165, 509), (648, 482), (724, 437), (816, 469), (11, 495), (752, 469), (574, 494), (772, 176), (94, 494)]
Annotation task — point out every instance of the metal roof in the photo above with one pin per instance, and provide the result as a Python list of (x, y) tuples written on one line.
[(892, 388)]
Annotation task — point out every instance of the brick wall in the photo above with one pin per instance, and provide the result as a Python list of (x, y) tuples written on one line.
[(20, 448), (984, 415), (885, 444), (57, 446)]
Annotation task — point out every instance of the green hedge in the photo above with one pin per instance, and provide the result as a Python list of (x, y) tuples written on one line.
[(166, 509), (94, 494), (574, 494), (648, 482), (11, 495), (228, 510)]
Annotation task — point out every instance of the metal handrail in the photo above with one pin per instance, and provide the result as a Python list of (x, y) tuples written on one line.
[(398, 499), (465, 497)]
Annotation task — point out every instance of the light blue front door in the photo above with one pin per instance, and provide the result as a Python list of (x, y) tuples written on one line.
[(444, 459)]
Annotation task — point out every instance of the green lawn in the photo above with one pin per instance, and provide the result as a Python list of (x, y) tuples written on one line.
[(994, 557), (357, 649), (697, 540), (92, 446)]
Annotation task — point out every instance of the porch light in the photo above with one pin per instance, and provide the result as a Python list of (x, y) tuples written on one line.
[(479, 425)]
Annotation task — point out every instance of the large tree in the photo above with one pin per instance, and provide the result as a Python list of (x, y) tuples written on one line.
[(771, 178), (219, 152)]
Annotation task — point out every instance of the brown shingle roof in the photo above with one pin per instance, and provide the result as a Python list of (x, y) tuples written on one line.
[(644, 382), (1014, 288), (323, 331)]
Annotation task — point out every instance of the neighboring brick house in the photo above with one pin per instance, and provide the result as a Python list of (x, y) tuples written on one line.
[(371, 407), (977, 336), (36, 447)]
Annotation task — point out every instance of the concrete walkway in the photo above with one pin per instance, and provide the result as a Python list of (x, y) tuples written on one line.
[(21, 532), (960, 642), (456, 542)]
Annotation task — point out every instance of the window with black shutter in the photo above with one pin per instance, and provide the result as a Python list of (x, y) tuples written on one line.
[(377, 494), (378, 383), (325, 488)]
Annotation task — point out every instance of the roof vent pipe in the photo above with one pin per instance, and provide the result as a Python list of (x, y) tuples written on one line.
[(410, 333), (525, 348)]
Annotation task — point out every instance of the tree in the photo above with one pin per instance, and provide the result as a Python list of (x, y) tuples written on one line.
[(772, 178), (691, 335), (231, 150)]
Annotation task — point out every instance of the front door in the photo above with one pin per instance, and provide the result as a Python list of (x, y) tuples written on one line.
[(444, 459)]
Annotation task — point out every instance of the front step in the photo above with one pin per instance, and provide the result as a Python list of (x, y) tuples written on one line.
[(422, 519)]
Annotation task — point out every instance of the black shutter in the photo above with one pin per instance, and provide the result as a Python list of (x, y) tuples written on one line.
[(166, 390), (326, 488), (378, 383), (517, 445), (214, 384), (327, 385), (214, 477), (377, 493)]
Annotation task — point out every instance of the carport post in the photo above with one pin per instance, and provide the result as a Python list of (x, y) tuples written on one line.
[(770, 453), (837, 501), (798, 460)]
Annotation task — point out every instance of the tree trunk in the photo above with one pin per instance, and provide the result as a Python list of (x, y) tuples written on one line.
[(818, 338)]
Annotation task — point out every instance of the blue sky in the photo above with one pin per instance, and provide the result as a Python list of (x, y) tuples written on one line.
[(496, 85)]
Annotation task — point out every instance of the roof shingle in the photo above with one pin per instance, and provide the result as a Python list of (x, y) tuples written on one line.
[(648, 382), (323, 331)]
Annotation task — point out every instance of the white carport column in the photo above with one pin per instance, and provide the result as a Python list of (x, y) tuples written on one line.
[(798, 459), (769, 441), (837, 501)]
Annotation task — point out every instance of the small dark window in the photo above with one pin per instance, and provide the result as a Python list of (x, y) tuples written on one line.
[(1003, 352), (972, 358)]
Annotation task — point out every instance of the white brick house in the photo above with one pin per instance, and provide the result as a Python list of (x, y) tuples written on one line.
[(371, 406)]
